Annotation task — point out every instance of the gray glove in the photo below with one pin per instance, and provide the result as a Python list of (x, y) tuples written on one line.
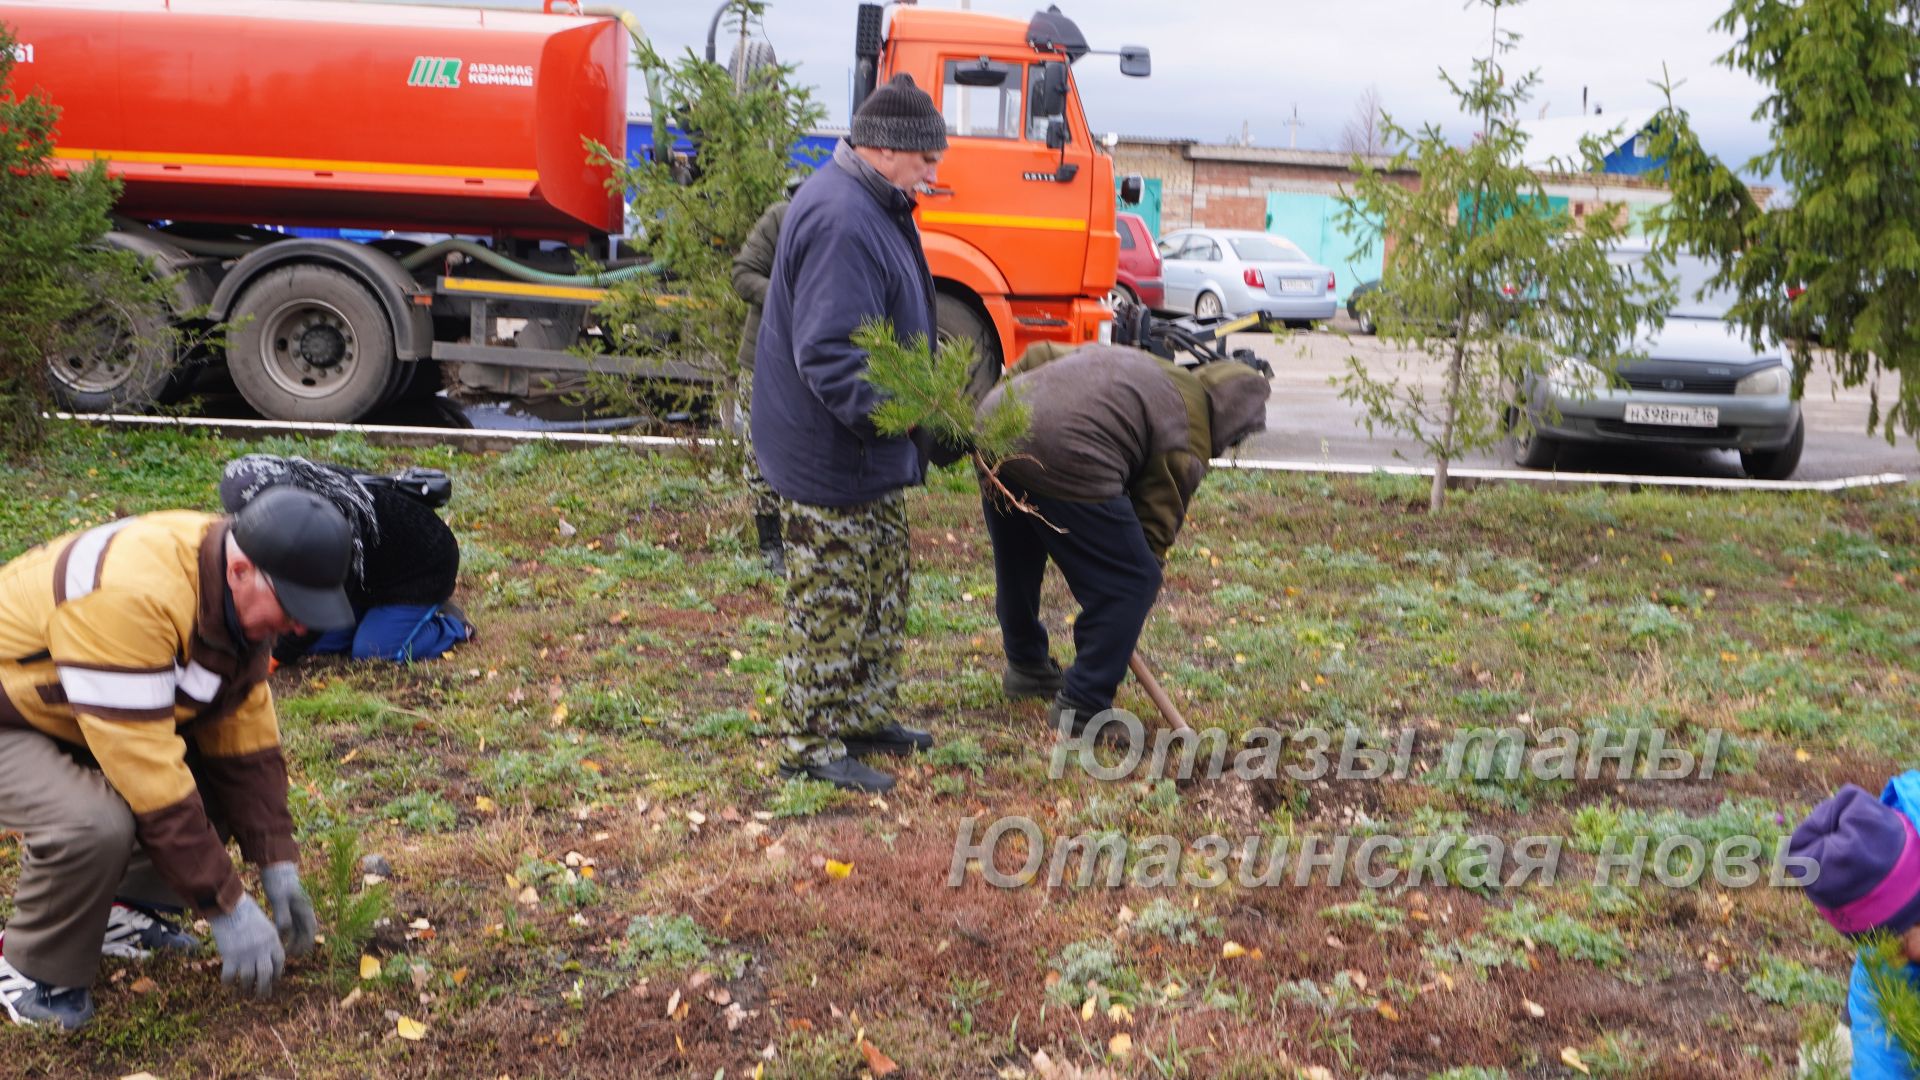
[(249, 949), (292, 911)]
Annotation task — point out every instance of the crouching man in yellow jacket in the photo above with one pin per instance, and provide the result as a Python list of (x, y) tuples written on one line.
[(137, 731)]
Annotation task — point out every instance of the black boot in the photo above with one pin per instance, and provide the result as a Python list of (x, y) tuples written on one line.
[(892, 739), (846, 773), (1025, 682), (772, 548)]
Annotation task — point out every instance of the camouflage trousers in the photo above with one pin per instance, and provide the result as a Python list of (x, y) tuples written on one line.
[(847, 575)]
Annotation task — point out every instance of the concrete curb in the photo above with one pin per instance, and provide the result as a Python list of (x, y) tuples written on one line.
[(485, 439)]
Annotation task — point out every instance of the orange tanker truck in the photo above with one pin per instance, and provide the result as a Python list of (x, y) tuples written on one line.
[(223, 115)]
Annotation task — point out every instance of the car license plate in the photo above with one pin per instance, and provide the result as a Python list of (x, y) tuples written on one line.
[(1295, 285), (1674, 415)]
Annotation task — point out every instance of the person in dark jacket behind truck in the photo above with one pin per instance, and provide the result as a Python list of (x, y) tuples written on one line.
[(848, 253), (751, 270), (1118, 443), (137, 732)]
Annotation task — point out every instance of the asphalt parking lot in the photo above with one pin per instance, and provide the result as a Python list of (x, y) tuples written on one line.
[(1308, 421)]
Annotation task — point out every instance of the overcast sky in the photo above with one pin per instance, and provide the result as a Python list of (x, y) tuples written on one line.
[(1219, 64)]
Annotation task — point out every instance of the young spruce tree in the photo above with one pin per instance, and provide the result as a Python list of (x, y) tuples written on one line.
[(1484, 278), (692, 216), (1837, 261), (61, 293)]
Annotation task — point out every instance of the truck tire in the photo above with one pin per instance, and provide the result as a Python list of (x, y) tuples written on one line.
[(759, 57), (311, 343), (955, 318), (119, 357)]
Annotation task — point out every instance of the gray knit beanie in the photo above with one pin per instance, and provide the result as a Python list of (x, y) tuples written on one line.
[(899, 116)]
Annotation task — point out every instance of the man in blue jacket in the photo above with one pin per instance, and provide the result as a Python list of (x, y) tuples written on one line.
[(848, 252)]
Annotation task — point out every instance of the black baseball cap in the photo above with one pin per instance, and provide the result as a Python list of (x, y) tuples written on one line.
[(304, 546)]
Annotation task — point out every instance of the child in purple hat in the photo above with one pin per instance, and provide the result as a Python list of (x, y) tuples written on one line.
[(1867, 855)]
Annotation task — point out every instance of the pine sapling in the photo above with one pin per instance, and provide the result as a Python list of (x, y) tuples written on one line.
[(1884, 956), (929, 390)]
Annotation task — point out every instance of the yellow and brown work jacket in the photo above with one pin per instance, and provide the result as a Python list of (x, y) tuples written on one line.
[(116, 640)]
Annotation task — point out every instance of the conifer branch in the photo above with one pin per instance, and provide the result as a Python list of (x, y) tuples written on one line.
[(929, 390)]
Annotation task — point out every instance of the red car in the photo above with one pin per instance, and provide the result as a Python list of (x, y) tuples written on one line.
[(1139, 279)]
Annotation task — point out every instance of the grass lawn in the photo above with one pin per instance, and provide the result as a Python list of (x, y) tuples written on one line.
[(593, 873)]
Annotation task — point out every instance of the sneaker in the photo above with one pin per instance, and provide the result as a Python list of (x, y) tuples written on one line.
[(135, 933), (32, 1003), (847, 773), (892, 739), (1026, 682)]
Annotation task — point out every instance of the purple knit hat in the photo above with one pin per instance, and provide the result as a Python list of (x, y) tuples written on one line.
[(1867, 856)]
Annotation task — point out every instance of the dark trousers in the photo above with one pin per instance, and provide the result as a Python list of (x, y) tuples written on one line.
[(1111, 572)]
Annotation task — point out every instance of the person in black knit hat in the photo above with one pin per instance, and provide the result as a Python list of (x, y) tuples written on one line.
[(848, 252)]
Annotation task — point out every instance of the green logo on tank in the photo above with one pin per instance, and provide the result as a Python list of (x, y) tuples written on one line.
[(435, 71)]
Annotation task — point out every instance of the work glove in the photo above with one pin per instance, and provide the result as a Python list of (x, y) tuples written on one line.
[(250, 951), (292, 911)]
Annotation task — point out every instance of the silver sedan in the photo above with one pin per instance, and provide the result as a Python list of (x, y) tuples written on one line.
[(1239, 272), (1701, 384)]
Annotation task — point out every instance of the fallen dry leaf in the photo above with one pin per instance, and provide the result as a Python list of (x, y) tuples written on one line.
[(673, 1002), (410, 1029), (877, 1063), (838, 870), (483, 804), (144, 985), (1121, 1045), (1534, 1008), (1387, 1012), (529, 896), (1571, 1059), (369, 967), (1232, 950)]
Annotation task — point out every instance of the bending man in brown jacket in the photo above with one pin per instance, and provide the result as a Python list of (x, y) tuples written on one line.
[(1118, 444), (137, 730)]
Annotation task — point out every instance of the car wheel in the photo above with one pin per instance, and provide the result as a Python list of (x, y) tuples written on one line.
[(1776, 464), (1120, 294), (1532, 450), (1366, 321), (1207, 306)]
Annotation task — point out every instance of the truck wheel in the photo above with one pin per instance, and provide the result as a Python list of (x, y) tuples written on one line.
[(311, 343), (116, 358), (955, 318)]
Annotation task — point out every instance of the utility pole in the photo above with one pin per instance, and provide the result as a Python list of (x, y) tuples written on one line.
[(1293, 127)]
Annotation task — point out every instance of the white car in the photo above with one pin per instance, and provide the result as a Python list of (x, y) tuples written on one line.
[(1238, 272)]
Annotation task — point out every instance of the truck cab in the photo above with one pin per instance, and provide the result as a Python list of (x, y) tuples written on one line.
[(1019, 227)]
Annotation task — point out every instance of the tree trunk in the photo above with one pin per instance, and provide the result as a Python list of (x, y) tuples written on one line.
[(1455, 370)]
